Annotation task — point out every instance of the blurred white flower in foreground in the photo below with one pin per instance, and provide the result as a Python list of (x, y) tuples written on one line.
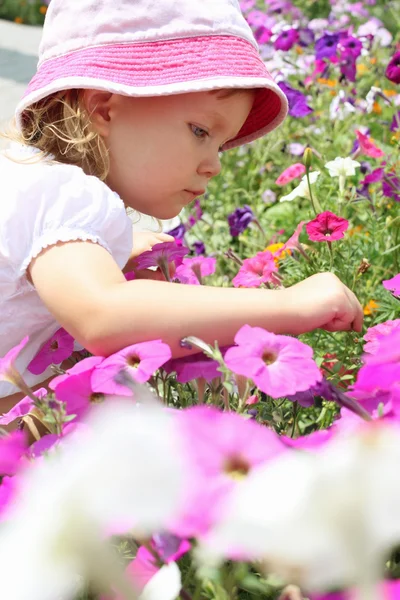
[(166, 584), (302, 190), (324, 520), (123, 471)]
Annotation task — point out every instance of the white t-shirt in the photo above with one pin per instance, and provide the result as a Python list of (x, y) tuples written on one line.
[(42, 203)]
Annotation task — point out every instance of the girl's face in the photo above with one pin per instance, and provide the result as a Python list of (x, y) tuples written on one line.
[(164, 150)]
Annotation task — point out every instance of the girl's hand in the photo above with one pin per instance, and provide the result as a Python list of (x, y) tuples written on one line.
[(145, 240), (142, 242), (323, 301)]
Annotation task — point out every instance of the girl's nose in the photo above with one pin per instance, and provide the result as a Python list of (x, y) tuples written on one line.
[(210, 167)]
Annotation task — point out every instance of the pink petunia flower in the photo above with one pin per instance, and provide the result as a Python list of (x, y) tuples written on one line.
[(381, 371), (193, 367), (257, 270), (161, 255), (145, 566), (12, 448), (8, 372), (58, 348), (192, 270), (279, 365), (367, 146), (140, 361), (223, 449), (21, 409), (393, 285), (375, 334), (292, 172), (75, 388), (8, 491), (326, 227)]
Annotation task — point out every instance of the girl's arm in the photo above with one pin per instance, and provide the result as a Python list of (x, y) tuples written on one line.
[(87, 293)]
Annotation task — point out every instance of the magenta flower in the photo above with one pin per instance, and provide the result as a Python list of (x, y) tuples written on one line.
[(139, 361), (192, 367), (192, 270), (367, 146), (287, 39), (75, 389), (8, 372), (292, 172), (22, 408), (393, 69), (12, 448), (350, 46), (375, 334), (393, 285), (381, 371), (279, 365), (58, 348), (223, 449), (161, 256), (257, 270), (326, 227)]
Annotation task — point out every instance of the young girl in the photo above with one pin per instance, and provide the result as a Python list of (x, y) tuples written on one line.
[(132, 102)]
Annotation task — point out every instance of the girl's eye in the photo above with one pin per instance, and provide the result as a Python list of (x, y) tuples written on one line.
[(199, 132)]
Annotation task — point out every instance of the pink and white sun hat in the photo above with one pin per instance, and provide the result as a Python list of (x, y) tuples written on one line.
[(155, 48)]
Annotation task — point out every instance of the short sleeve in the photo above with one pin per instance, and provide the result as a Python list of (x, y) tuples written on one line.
[(50, 203)]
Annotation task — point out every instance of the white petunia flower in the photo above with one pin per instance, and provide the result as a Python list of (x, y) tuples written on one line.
[(370, 97), (326, 520), (340, 108), (124, 471), (301, 191), (342, 167)]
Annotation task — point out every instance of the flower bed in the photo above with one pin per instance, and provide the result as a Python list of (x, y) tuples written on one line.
[(29, 12), (277, 459)]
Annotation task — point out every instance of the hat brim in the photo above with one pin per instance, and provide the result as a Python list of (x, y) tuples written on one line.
[(192, 64)]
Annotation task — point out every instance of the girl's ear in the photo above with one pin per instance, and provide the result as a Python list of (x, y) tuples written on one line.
[(98, 103)]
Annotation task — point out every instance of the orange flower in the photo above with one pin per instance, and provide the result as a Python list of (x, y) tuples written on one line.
[(43, 10), (18, 20), (376, 108), (329, 82), (371, 307), (355, 230)]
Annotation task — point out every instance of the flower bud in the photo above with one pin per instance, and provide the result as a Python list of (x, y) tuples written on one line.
[(307, 157)]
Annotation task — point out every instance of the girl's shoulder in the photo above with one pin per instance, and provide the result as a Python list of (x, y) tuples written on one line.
[(43, 202)]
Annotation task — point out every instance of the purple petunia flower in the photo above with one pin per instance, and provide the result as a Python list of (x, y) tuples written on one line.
[(240, 219), (298, 106), (199, 247), (287, 39), (391, 187), (395, 124), (348, 68), (326, 46), (393, 69), (178, 232)]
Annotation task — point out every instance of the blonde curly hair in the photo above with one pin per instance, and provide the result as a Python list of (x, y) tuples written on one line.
[(60, 126)]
